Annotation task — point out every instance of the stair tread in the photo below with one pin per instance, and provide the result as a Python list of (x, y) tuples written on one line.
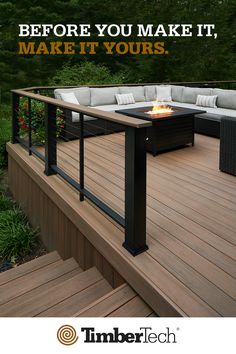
[(34, 279), (50, 297), (12, 308), (108, 303), (79, 300), (29, 267), (136, 307)]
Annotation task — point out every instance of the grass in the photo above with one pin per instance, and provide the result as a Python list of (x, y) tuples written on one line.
[(19, 242), (16, 235), (5, 132)]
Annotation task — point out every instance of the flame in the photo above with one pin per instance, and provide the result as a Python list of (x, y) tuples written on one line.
[(159, 108)]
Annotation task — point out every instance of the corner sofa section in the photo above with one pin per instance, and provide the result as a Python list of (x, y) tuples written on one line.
[(105, 99)]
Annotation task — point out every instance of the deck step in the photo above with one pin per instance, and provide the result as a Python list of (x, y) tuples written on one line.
[(117, 303), (57, 288), (29, 267)]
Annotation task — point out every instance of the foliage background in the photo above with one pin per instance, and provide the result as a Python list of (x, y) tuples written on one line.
[(190, 59)]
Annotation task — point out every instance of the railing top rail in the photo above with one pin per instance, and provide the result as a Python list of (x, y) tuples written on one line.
[(93, 112), (133, 84)]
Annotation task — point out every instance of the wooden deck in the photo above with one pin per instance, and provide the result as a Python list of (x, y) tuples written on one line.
[(190, 268)]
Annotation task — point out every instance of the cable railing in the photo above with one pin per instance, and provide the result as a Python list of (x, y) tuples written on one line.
[(134, 219)]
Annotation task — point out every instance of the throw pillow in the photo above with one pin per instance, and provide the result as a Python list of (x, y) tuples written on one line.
[(70, 97), (163, 93), (206, 101), (125, 98)]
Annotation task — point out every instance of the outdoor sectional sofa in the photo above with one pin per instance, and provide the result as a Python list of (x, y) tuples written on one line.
[(105, 99)]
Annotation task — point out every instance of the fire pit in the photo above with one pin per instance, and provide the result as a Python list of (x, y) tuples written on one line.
[(160, 108), (172, 126)]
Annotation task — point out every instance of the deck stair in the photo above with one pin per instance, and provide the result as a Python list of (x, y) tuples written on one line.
[(51, 287)]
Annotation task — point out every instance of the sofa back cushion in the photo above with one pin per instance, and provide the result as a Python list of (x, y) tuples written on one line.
[(163, 93), (81, 93), (190, 93), (226, 98), (137, 91), (102, 96), (177, 93), (150, 93)]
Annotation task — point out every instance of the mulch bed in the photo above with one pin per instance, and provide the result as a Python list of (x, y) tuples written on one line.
[(38, 251)]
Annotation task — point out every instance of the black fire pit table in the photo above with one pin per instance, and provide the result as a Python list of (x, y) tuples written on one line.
[(169, 130)]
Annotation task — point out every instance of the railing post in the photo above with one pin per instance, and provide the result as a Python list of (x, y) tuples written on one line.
[(15, 123), (135, 190), (30, 125), (81, 153), (50, 139)]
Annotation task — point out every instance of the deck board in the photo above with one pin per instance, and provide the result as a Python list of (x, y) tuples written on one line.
[(191, 219), (191, 210)]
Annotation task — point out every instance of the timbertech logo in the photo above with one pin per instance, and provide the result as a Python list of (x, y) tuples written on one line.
[(67, 335)]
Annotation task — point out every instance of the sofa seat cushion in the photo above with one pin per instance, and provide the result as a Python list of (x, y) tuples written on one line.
[(81, 93), (219, 111), (137, 91), (76, 118), (114, 107), (104, 95)]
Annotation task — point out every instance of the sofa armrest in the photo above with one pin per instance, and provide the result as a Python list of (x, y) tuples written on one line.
[(228, 145)]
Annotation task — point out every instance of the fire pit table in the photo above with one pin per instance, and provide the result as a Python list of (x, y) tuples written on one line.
[(169, 130)]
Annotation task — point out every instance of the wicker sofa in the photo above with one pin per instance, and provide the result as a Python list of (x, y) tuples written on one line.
[(104, 99)]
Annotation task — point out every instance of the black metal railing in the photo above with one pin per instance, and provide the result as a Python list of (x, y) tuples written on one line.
[(134, 220)]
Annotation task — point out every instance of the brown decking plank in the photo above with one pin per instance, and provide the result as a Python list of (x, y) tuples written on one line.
[(196, 261), (78, 301), (197, 175), (50, 297), (208, 223), (215, 214), (134, 308), (200, 185), (28, 267), (12, 308), (108, 303), (207, 291), (34, 279), (221, 256)]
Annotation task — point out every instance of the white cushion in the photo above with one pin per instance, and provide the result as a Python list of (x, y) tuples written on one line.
[(163, 93), (190, 93), (81, 93), (114, 107), (177, 93), (206, 101), (226, 98), (137, 91), (101, 96), (125, 98), (150, 93), (70, 97)]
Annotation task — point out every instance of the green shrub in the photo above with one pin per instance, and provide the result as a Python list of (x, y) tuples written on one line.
[(5, 203), (37, 120), (87, 73), (5, 132), (16, 235)]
